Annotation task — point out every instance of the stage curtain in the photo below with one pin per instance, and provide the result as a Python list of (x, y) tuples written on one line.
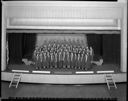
[(106, 46), (95, 41), (15, 47), (21, 45), (29, 40), (111, 48)]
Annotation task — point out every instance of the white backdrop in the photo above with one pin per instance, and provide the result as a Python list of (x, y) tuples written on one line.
[(74, 37)]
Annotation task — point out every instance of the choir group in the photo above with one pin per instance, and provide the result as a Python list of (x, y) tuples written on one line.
[(63, 54)]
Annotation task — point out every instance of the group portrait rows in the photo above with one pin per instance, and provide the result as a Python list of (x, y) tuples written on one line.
[(63, 54)]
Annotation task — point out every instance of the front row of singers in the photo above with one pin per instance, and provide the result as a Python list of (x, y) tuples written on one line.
[(63, 58)]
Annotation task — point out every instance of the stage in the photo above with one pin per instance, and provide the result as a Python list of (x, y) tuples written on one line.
[(94, 68), (100, 25), (63, 76)]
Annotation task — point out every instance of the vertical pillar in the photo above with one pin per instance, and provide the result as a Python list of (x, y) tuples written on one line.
[(124, 39), (3, 48)]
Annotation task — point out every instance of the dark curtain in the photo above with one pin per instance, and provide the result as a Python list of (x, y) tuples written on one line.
[(106, 46), (95, 41), (29, 40), (21, 45), (111, 48), (15, 47)]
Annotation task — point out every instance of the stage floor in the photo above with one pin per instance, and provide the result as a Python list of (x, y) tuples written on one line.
[(104, 67), (64, 76)]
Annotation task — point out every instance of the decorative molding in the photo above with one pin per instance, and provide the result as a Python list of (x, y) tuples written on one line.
[(65, 3), (61, 22), (70, 12), (53, 31), (30, 23), (63, 15)]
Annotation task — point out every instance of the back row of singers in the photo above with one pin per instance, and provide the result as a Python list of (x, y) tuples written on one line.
[(63, 57), (65, 42)]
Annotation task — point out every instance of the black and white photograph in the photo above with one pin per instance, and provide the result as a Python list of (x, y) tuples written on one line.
[(64, 49)]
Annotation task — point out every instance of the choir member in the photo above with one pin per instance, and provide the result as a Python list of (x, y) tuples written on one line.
[(41, 59), (67, 59), (37, 62), (78, 60), (56, 62)]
